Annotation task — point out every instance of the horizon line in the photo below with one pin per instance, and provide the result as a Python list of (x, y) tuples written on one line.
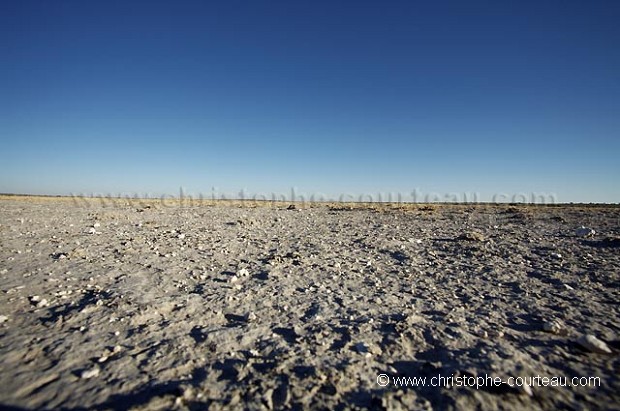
[(170, 197)]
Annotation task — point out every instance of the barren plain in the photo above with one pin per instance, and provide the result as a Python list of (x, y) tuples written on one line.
[(145, 305)]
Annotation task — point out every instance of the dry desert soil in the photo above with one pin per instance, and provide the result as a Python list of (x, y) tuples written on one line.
[(149, 305)]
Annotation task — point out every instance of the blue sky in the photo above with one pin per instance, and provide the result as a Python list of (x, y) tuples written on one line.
[(332, 98)]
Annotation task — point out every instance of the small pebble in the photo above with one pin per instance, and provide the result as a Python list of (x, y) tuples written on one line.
[(362, 348), (471, 236), (38, 301), (553, 327), (526, 389), (3, 318), (591, 343), (495, 333), (585, 232), (90, 373)]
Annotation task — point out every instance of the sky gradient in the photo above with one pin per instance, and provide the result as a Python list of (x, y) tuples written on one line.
[(330, 98)]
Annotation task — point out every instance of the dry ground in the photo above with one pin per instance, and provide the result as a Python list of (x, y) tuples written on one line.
[(148, 305)]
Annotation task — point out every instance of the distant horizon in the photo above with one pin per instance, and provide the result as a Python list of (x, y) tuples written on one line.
[(301, 197), (413, 195), (492, 98)]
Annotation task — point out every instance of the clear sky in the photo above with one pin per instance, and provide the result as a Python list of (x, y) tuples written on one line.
[(331, 97)]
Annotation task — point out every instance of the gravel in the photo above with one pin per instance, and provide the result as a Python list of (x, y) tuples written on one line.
[(224, 305)]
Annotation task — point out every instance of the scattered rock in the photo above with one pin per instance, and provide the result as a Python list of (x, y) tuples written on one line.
[(482, 333), (291, 207), (495, 333), (59, 256), (585, 232), (525, 389), (553, 327), (90, 373), (557, 256), (363, 349), (338, 308), (471, 236), (591, 343), (244, 221), (96, 225)]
